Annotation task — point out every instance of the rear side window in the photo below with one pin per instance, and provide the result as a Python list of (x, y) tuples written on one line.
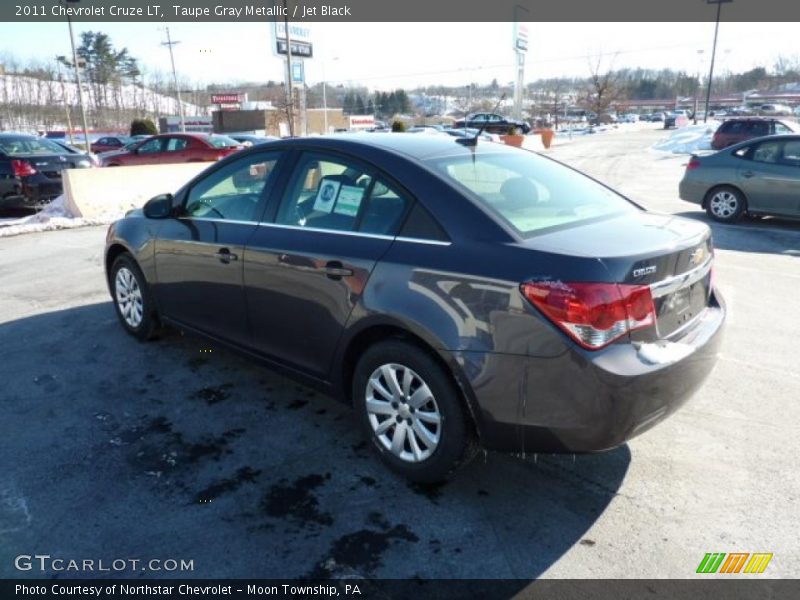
[(768, 152), (421, 225), (759, 128), (529, 193)]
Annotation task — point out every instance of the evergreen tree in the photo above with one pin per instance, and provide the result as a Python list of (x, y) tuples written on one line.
[(359, 107)]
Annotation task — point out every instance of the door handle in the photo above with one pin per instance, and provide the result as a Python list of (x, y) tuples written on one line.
[(336, 270), (225, 255), (748, 174)]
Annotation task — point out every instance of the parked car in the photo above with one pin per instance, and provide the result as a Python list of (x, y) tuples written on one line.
[(173, 148), (109, 142), (454, 295), (676, 118), (757, 177), (733, 131), (247, 140), (775, 109), (73, 150), (492, 123), (30, 169)]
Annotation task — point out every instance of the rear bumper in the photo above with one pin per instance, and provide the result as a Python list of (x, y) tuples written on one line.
[(582, 401), (692, 191)]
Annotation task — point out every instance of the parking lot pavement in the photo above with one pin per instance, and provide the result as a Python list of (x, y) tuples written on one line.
[(112, 448)]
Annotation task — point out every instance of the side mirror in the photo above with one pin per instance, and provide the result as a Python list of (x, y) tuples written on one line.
[(158, 207)]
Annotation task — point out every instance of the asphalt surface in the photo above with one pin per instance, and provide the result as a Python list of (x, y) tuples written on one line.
[(111, 448)]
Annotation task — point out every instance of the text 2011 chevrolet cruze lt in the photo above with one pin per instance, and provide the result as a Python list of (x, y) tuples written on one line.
[(457, 296)]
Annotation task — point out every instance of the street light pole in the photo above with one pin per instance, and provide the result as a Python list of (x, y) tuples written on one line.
[(78, 78), (169, 43), (719, 4), (325, 95)]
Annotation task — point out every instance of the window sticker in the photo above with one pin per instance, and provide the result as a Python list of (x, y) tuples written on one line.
[(349, 201), (326, 196)]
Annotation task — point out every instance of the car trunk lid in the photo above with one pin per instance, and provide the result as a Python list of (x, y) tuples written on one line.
[(671, 255)]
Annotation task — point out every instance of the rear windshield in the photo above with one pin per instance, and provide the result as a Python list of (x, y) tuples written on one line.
[(221, 141), (20, 146), (530, 193)]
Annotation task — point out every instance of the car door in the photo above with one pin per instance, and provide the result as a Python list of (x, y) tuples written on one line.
[(147, 153), (306, 269), (199, 253), (176, 150), (770, 177)]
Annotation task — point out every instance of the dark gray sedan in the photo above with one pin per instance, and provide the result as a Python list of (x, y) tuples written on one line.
[(757, 177), (455, 295)]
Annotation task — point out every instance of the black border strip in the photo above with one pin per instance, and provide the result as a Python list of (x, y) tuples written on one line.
[(442, 11)]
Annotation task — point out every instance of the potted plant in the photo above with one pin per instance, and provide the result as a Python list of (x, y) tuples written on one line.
[(513, 137), (547, 136)]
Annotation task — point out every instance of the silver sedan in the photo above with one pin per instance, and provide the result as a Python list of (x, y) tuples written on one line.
[(758, 177)]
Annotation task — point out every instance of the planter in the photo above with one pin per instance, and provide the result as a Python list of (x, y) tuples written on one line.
[(513, 140), (547, 137)]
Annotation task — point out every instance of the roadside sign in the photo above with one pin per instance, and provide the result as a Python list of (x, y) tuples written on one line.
[(300, 39), (298, 72), (228, 98), (362, 121), (520, 37)]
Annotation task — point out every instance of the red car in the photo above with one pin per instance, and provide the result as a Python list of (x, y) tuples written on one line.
[(108, 143), (173, 148), (733, 131)]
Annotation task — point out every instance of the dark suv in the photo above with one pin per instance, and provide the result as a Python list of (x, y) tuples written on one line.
[(738, 130)]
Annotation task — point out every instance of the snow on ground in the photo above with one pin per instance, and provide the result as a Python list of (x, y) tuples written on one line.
[(54, 216), (689, 139)]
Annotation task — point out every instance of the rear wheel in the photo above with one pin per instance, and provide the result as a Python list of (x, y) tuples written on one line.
[(132, 298), (725, 204), (411, 412)]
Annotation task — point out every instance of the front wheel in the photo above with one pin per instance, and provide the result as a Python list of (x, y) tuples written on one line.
[(132, 299), (725, 204), (411, 411)]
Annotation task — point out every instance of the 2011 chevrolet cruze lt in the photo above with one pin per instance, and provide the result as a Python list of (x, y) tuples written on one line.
[(455, 295)]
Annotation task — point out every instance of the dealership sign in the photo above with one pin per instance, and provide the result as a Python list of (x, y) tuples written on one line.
[(300, 40), (520, 37)]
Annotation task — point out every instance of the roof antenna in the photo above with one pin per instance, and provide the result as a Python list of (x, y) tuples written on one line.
[(473, 141)]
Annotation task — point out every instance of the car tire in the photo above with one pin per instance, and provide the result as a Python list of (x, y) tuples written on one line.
[(725, 204), (423, 449), (133, 301)]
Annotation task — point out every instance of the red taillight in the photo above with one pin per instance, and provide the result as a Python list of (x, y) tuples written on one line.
[(693, 163), (22, 168), (593, 314)]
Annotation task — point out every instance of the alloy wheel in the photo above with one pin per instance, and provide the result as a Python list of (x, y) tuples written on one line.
[(129, 297), (724, 204), (403, 412)]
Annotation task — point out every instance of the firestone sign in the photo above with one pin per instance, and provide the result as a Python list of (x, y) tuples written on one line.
[(230, 98)]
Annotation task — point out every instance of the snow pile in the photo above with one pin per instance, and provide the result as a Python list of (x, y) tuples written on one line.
[(690, 139), (55, 216)]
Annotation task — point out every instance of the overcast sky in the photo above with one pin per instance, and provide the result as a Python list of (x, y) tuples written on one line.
[(385, 55)]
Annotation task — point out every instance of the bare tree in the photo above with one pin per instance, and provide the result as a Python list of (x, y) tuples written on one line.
[(603, 86)]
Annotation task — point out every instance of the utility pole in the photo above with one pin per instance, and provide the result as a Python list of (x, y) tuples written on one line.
[(64, 99), (520, 48), (719, 4), (78, 81), (289, 86), (169, 43)]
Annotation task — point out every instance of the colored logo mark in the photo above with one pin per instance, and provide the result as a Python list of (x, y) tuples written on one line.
[(735, 562)]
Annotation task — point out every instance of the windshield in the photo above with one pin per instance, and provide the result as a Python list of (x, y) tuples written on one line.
[(530, 193), (20, 146), (221, 141)]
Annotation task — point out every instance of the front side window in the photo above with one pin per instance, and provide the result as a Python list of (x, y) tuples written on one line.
[(233, 192), (324, 193), (530, 193), (781, 128), (151, 146), (791, 153)]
